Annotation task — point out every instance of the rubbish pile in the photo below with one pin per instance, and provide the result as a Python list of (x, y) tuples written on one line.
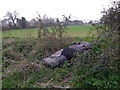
[(62, 55)]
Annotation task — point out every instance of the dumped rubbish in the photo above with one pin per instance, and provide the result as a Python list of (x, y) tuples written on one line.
[(62, 55)]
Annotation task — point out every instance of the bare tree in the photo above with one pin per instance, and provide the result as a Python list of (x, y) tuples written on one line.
[(12, 17)]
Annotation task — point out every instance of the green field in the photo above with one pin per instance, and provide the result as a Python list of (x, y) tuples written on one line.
[(73, 31)]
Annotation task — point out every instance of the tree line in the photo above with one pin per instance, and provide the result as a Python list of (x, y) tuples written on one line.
[(12, 21)]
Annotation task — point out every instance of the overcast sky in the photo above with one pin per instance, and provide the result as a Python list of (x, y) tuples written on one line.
[(79, 9)]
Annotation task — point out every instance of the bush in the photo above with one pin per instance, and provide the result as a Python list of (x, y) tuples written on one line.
[(98, 67)]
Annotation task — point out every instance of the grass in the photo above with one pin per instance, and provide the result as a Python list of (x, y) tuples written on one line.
[(20, 33), (73, 31), (23, 67), (82, 31), (19, 52)]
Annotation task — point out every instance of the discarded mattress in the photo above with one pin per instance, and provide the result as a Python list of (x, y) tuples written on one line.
[(62, 55)]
